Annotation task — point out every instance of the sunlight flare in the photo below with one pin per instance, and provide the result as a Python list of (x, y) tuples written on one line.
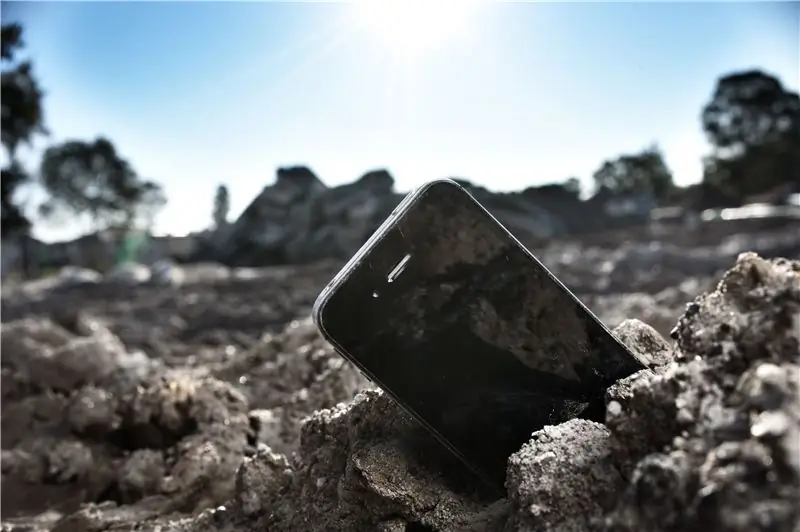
[(413, 27)]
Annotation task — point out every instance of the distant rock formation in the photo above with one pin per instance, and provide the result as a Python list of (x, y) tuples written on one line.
[(298, 219)]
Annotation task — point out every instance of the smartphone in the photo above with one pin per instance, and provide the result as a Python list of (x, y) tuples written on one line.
[(456, 320)]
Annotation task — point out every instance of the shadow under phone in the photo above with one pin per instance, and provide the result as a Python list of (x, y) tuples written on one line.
[(456, 320)]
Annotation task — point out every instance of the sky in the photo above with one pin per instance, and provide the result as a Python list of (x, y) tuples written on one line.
[(507, 95)]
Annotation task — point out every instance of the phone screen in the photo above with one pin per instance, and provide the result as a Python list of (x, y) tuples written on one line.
[(464, 327)]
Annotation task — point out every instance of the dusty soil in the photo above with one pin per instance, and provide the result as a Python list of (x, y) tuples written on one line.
[(215, 405)]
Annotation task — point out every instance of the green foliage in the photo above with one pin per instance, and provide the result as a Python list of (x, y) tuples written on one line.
[(644, 172), (13, 219), (753, 124), (91, 177), (222, 206), (11, 40), (22, 119), (23, 115)]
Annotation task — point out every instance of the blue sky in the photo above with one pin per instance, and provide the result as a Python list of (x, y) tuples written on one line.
[(196, 94)]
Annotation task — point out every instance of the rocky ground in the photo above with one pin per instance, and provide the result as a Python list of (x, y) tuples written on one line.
[(208, 401)]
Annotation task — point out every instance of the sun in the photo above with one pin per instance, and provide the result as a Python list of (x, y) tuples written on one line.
[(411, 28)]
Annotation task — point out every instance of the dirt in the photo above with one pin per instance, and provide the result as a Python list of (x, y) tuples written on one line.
[(215, 405)]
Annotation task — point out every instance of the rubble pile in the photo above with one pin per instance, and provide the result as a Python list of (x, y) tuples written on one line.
[(298, 219), (84, 420), (215, 405)]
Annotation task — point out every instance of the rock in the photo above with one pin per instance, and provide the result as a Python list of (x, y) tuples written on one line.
[(649, 346), (207, 272), (67, 461), (299, 219), (26, 338), (75, 276), (141, 475), (166, 272), (64, 366), (355, 470), (128, 274), (564, 478), (276, 216), (640, 414), (264, 477), (94, 411)]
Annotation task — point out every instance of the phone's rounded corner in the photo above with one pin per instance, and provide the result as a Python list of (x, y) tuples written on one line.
[(318, 308), (446, 181), (447, 185)]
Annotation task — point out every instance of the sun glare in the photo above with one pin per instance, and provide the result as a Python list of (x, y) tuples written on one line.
[(413, 27)]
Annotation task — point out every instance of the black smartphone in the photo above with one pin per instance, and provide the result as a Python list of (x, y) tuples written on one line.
[(456, 320)]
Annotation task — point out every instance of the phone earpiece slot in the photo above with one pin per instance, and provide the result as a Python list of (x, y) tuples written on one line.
[(398, 268)]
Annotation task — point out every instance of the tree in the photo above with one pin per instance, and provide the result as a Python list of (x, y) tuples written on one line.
[(13, 219), (644, 172), (22, 118), (753, 124), (151, 200), (222, 206), (22, 111), (11, 35), (92, 178)]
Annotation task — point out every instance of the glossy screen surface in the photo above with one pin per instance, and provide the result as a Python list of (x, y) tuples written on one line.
[(473, 336)]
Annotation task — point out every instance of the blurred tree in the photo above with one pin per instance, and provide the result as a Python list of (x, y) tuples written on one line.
[(222, 206), (91, 177), (11, 35), (22, 111), (22, 118), (13, 219), (151, 200), (753, 124), (636, 173)]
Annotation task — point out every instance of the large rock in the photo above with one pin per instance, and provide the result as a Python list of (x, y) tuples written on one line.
[(713, 442), (166, 272), (128, 273), (564, 478), (75, 276), (299, 219)]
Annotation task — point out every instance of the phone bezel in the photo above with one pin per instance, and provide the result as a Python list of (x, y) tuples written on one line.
[(387, 226)]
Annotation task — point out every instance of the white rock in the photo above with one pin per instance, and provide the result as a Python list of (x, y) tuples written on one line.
[(73, 276), (128, 273), (165, 271)]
